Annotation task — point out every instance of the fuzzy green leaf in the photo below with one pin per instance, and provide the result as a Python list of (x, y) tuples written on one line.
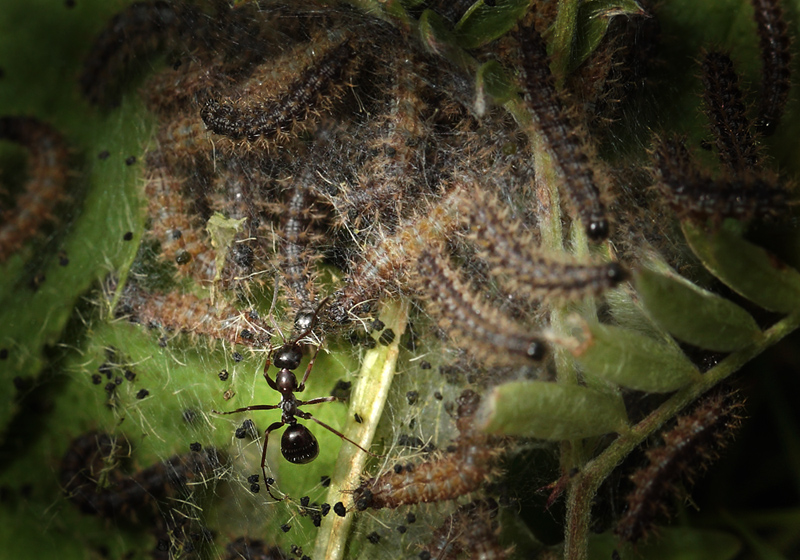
[(635, 361), (483, 24), (695, 315), (492, 80), (439, 39), (747, 269), (550, 411), (594, 17), (104, 202)]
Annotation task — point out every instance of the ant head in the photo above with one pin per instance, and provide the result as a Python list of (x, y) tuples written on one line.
[(288, 356), (298, 444), (305, 320)]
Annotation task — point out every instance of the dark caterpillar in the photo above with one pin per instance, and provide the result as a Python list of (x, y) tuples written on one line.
[(687, 451), (695, 195), (776, 58), (45, 187), (727, 112), (460, 471), (558, 130), (517, 263), (308, 94), (476, 326)]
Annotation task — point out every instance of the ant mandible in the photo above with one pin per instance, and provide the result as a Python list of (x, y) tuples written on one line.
[(298, 444)]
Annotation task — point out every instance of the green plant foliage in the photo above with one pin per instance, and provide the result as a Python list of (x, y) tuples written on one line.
[(59, 336), (695, 315), (635, 361), (593, 20), (746, 268), (550, 411), (492, 80), (483, 23), (105, 202)]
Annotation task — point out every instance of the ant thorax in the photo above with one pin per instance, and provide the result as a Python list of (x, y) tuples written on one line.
[(286, 382)]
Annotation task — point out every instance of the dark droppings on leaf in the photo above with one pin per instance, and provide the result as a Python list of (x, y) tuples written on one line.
[(342, 390)]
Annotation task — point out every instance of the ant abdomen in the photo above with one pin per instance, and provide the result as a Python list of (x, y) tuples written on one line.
[(298, 445)]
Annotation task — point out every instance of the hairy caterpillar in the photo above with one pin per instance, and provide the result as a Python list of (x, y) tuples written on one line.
[(776, 58), (459, 471), (559, 134), (688, 449), (45, 187)]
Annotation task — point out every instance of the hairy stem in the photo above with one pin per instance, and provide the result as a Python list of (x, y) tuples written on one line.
[(584, 485)]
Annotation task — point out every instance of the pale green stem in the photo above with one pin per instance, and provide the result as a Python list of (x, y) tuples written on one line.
[(564, 37), (367, 400), (584, 485)]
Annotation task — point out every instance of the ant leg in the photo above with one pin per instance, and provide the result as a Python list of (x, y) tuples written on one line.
[(249, 408), (318, 400), (302, 386), (270, 381), (271, 428), (309, 416)]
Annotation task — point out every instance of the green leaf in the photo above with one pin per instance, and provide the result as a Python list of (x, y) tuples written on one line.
[(483, 24), (439, 39), (550, 411), (746, 268), (635, 361), (105, 194), (593, 20), (695, 315), (493, 81)]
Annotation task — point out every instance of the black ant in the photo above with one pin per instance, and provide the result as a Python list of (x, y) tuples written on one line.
[(298, 444)]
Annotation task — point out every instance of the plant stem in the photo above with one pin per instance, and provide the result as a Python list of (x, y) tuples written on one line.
[(584, 485), (368, 399)]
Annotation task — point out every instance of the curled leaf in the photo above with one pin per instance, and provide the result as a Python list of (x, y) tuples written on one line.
[(222, 231), (492, 81)]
